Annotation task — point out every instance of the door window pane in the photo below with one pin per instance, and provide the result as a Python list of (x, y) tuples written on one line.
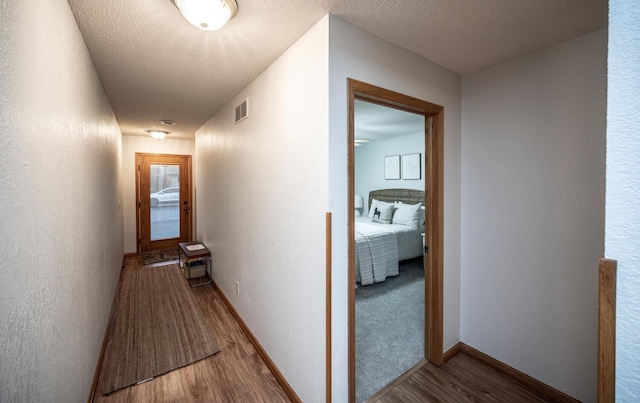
[(164, 195)]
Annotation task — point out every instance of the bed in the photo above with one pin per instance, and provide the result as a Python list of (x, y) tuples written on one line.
[(388, 234)]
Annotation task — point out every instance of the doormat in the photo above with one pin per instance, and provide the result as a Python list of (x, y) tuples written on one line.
[(159, 256)]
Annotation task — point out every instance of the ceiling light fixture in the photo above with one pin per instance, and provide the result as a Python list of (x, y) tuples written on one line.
[(167, 122), (158, 134), (359, 142), (207, 14)]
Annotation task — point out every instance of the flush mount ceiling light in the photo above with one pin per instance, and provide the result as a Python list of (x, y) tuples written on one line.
[(158, 134), (359, 142), (167, 122), (207, 14)]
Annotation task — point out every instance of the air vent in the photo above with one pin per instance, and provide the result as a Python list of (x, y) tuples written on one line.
[(242, 111)]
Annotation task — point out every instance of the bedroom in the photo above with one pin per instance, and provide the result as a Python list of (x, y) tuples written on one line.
[(388, 167)]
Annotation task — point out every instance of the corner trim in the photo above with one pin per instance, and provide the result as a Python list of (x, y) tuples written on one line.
[(328, 291), (607, 273)]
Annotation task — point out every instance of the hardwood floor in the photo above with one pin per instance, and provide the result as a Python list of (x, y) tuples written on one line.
[(462, 379), (238, 374), (235, 374)]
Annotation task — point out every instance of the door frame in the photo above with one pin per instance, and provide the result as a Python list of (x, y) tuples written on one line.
[(434, 209), (187, 195)]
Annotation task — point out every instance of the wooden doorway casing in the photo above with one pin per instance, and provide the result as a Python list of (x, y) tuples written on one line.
[(434, 213), (143, 225)]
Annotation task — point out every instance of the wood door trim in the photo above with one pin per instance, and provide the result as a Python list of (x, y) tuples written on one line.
[(189, 163), (434, 202)]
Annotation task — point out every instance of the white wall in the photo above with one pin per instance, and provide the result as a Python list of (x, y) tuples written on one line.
[(262, 197), (369, 164), (138, 144), (356, 54), (60, 180), (533, 151), (623, 188)]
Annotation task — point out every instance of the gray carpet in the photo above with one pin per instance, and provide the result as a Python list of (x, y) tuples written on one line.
[(389, 329)]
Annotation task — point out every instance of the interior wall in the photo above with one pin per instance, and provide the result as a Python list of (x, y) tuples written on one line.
[(533, 153), (623, 187), (369, 167), (60, 194), (356, 54), (262, 197), (139, 144)]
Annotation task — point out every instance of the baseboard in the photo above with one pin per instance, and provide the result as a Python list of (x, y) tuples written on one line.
[(114, 302), (452, 352), (539, 387), (288, 390)]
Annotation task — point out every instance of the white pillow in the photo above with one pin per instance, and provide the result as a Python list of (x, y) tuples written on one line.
[(372, 208), (407, 214), (383, 212)]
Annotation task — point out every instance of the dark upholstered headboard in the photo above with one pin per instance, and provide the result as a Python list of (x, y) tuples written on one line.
[(407, 196)]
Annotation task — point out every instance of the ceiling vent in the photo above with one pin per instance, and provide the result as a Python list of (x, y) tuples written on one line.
[(242, 111)]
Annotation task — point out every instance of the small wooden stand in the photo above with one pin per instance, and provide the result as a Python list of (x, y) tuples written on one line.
[(192, 255)]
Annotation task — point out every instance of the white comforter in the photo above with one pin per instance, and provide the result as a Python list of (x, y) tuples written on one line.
[(376, 254), (379, 247)]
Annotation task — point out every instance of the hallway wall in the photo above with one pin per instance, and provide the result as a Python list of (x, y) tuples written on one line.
[(357, 54), (61, 223), (623, 188), (533, 153), (262, 196)]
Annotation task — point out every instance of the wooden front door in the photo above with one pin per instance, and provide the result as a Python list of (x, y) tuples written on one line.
[(164, 201)]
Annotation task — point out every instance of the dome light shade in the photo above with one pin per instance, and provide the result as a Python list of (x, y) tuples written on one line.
[(158, 134), (207, 14)]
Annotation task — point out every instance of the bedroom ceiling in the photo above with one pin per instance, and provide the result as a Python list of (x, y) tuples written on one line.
[(373, 121), (154, 65)]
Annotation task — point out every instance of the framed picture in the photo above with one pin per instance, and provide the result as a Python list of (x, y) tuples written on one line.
[(411, 166), (392, 167)]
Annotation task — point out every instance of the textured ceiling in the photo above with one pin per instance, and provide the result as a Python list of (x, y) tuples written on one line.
[(154, 65)]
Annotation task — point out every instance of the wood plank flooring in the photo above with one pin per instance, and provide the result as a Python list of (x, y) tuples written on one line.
[(462, 379), (236, 374)]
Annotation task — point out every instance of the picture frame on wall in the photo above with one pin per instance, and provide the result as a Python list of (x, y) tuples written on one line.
[(411, 166), (392, 167)]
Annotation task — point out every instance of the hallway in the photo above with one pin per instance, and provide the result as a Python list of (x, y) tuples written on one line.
[(236, 373)]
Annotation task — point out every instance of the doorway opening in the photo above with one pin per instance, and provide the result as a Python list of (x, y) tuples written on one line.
[(433, 215), (163, 198)]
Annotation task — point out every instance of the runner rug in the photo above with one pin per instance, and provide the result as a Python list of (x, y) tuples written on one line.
[(158, 327)]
